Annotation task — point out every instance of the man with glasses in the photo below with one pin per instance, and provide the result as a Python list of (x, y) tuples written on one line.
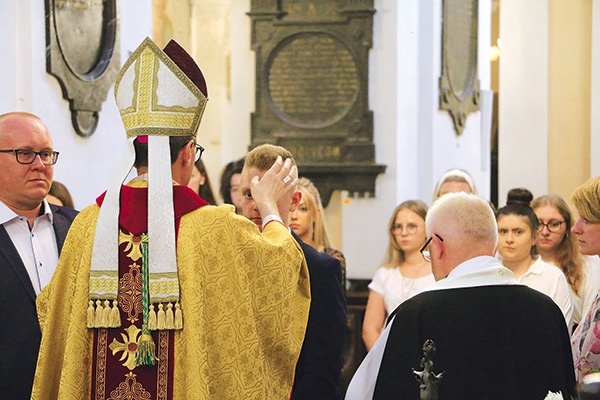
[(159, 295), (476, 333), (32, 233)]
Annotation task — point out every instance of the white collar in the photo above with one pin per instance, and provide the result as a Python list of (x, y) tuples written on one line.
[(478, 271)]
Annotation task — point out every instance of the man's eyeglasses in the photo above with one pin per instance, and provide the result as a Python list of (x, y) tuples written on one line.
[(199, 151), (24, 156), (425, 249), (411, 229), (553, 225)]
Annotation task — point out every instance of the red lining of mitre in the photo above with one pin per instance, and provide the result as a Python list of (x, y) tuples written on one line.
[(187, 64)]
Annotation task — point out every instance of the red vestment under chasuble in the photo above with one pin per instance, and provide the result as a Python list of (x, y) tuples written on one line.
[(115, 374), (244, 311)]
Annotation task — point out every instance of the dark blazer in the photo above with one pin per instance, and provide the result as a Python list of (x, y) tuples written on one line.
[(320, 362), (491, 343), (19, 328)]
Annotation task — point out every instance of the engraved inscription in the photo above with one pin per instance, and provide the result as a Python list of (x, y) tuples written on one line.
[(327, 153), (311, 9), (312, 80)]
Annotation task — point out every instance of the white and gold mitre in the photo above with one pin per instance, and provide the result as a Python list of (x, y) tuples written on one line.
[(157, 92)]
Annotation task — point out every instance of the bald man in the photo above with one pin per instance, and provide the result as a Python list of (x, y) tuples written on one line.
[(32, 233), (474, 334)]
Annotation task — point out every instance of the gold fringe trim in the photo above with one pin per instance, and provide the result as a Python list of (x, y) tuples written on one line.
[(178, 316), (100, 314), (160, 318), (169, 317), (105, 314), (152, 318)]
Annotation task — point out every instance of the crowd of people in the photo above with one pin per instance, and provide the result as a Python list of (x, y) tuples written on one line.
[(159, 292)]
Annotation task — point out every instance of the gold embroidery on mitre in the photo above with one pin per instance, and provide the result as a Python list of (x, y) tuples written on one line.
[(156, 97)]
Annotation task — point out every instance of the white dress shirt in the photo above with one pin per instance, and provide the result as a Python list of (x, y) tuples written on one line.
[(37, 246)]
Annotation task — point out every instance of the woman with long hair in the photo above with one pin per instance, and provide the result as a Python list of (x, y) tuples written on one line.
[(308, 222), (518, 231), (404, 272), (200, 182), (556, 245)]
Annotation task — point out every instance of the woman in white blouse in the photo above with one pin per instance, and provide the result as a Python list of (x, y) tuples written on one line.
[(518, 232), (404, 272)]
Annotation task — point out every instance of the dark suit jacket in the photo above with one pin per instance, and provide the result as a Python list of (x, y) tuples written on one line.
[(320, 362), (19, 328), (492, 343)]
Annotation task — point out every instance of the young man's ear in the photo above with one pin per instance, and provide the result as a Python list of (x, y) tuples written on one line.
[(295, 200)]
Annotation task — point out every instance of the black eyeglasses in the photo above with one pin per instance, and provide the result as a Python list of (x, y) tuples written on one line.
[(425, 249), (26, 157), (199, 151), (552, 225)]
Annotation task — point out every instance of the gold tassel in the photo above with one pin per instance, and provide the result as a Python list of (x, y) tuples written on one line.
[(169, 317), (178, 316), (146, 350), (90, 314), (115, 315), (160, 317), (106, 314), (152, 318), (98, 314)]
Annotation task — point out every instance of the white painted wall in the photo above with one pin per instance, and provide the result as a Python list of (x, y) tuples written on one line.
[(413, 138), (523, 103), (595, 92), (85, 164)]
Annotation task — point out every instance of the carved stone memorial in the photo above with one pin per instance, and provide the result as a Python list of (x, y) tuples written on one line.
[(82, 53), (459, 85), (312, 89)]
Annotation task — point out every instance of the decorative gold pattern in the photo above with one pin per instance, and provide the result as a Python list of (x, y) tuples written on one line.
[(129, 390), (133, 249), (101, 364), (130, 292), (129, 346), (225, 351), (145, 112), (163, 366)]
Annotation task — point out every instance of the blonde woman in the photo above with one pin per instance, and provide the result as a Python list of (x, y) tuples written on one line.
[(585, 341), (556, 245), (403, 274), (308, 222)]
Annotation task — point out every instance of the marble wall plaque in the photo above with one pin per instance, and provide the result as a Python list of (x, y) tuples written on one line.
[(82, 53)]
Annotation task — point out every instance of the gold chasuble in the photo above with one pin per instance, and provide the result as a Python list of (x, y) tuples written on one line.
[(244, 295)]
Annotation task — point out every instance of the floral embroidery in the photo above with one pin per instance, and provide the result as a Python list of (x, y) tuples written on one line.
[(130, 292), (133, 249), (129, 347), (131, 389)]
